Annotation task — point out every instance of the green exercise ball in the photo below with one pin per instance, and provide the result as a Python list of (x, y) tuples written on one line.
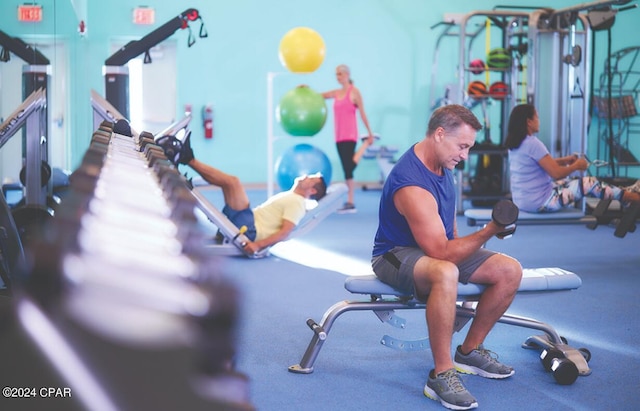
[(302, 112)]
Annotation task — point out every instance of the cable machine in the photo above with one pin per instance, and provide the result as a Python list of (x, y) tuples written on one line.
[(32, 117), (547, 50), (115, 70), (31, 216), (35, 74)]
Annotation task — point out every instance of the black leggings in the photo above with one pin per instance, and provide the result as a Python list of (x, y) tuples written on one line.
[(346, 150)]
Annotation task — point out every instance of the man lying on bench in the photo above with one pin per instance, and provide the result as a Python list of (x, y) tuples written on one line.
[(417, 251), (269, 222)]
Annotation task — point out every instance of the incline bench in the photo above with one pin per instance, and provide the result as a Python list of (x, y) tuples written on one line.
[(234, 238)]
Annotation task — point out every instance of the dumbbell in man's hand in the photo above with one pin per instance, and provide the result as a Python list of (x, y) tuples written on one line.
[(505, 214)]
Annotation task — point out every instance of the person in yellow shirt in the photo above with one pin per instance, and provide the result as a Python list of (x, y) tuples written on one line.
[(269, 222)]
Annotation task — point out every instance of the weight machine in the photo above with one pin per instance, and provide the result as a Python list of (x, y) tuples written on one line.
[(35, 74), (117, 74), (30, 216), (548, 50), (32, 117), (103, 110)]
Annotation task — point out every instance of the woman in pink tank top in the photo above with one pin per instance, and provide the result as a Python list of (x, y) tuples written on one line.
[(346, 101)]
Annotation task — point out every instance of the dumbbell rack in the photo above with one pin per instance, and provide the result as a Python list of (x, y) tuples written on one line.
[(118, 305)]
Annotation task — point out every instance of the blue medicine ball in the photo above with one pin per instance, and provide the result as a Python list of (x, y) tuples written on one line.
[(299, 160)]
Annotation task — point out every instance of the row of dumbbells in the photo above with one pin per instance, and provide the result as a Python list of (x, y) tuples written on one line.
[(132, 265), (136, 238)]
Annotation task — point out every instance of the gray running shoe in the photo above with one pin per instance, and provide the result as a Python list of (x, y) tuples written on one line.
[(347, 208), (447, 388), (482, 362)]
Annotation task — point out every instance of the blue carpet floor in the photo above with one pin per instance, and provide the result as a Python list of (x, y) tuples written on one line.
[(355, 372)]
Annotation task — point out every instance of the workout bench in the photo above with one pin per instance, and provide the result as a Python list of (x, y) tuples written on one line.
[(384, 300), (481, 216), (605, 212), (385, 159)]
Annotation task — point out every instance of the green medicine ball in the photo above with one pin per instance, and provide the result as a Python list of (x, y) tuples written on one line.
[(499, 58)]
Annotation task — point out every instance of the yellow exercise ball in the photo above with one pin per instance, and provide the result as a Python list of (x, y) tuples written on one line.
[(301, 50)]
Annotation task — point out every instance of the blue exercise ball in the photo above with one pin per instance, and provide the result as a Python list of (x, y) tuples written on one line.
[(299, 160)]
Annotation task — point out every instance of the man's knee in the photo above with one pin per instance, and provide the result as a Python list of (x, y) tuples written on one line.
[(440, 273), (511, 272), (233, 181), (233, 186)]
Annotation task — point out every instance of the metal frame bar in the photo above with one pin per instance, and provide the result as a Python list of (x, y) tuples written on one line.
[(464, 312)]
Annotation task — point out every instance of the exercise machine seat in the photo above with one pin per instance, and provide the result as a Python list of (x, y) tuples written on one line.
[(480, 216)]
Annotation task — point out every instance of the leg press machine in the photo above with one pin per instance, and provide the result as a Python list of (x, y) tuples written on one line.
[(233, 237)]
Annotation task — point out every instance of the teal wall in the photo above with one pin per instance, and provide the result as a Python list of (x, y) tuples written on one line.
[(389, 45)]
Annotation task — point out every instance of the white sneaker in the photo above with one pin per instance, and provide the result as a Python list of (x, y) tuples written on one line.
[(635, 187)]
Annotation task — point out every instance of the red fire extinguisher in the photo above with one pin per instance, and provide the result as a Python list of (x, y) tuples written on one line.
[(207, 121)]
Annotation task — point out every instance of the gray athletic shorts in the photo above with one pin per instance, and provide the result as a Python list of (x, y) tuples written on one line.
[(395, 267)]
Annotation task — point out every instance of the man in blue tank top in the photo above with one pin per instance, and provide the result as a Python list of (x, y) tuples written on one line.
[(417, 250)]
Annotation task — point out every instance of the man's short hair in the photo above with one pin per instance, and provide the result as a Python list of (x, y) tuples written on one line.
[(452, 116), (321, 189)]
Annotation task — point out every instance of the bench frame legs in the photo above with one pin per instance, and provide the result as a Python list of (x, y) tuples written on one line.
[(385, 308)]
